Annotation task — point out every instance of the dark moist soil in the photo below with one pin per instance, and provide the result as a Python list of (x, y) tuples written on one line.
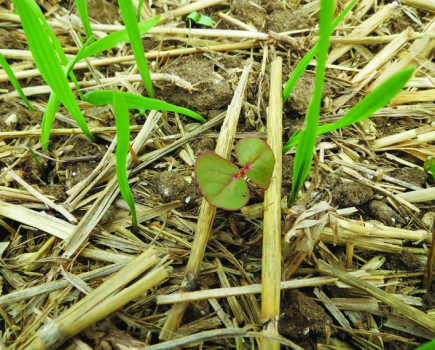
[(212, 92), (302, 318)]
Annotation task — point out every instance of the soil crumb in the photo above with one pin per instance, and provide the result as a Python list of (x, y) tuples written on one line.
[(103, 11), (249, 12), (413, 175), (385, 214), (302, 317), (213, 90), (204, 144), (402, 261), (351, 194), (283, 20), (171, 186)]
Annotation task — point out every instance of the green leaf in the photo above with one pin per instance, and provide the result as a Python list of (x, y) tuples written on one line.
[(48, 63), (257, 160), (303, 64), (122, 122), (116, 38), (10, 73), (304, 152), (129, 18), (220, 182), (199, 19), (103, 97), (375, 100), (84, 16)]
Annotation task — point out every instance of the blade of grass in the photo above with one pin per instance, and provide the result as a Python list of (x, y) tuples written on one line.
[(304, 152), (139, 8), (54, 41), (116, 38), (10, 73), (100, 98), (48, 63), (129, 18), (122, 122), (53, 102), (303, 64), (82, 9), (375, 100)]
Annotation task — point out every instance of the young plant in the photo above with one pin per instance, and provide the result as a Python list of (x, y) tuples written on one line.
[(222, 183), (122, 102), (305, 140), (199, 19), (429, 165)]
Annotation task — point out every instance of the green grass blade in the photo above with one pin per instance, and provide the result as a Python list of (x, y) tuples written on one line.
[(54, 41), (48, 63), (122, 122), (10, 73), (375, 100), (304, 152), (303, 64), (48, 118), (53, 103), (116, 38), (82, 9), (139, 8), (129, 18), (100, 98)]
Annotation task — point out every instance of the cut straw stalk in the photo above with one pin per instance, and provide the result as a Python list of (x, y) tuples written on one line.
[(271, 261), (207, 212), (387, 53), (403, 136), (106, 299), (96, 62), (413, 96), (427, 5), (420, 48), (236, 291), (410, 312), (363, 29)]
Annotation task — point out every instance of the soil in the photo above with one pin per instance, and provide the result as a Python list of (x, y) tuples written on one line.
[(31, 258)]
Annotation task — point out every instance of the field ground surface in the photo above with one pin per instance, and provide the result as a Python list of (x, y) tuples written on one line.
[(348, 266)]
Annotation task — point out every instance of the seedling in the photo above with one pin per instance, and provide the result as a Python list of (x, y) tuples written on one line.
[(199, 19), (223, 184), (429, 165)]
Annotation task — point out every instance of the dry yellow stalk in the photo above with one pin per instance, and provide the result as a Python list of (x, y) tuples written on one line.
[(101, 302), (410, 312), (271, 260), (364, 28), (207, 212)]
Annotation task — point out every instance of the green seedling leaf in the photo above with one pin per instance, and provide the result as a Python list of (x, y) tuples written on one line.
[(99, 98), (116, 38), (10, 73), (375, 100), (429, 165), (199, 19), (129, 18), (257, 160), (84, 16), (123, 138), (305, 149), (47, 61), (220, 182)]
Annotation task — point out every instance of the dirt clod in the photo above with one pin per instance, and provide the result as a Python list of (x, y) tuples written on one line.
[(351, 194), (303, 317), (171, 186), (385, 214), (103, 11), (413, 175), (213, 90)]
